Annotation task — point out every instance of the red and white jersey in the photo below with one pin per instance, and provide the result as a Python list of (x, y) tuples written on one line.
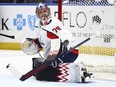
[(46, 33)]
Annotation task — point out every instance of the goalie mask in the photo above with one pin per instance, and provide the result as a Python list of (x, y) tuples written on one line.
[(43, 13), (29, 48)]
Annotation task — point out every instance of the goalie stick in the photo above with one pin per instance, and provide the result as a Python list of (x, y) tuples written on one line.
[(46, 64), (12, 37)]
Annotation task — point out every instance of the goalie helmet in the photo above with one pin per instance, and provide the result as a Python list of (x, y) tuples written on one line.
[(43, 13)]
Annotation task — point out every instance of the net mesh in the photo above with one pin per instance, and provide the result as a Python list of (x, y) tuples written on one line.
[(86, 2), (101, 58)]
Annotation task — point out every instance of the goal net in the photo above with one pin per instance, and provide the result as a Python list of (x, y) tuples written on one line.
[(83, 18)]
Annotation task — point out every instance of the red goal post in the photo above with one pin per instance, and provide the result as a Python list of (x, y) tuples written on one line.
[(60, 10)]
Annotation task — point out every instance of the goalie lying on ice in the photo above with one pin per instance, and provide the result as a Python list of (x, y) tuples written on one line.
[(55, 40)]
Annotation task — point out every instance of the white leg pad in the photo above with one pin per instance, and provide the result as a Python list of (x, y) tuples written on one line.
[(71, 72), (13, 70)]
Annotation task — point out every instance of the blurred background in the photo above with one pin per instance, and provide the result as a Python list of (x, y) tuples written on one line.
[(28, 1), (47, 1)]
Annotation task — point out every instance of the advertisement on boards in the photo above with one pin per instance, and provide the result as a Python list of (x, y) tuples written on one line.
[(82, 21)]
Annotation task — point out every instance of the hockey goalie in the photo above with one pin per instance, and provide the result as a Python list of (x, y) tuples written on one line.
[(54, 39)]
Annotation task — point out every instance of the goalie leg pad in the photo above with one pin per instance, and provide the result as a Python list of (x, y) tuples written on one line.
[(48, 74), (66, 72)]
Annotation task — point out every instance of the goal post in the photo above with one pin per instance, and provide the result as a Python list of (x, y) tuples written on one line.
[(60, 10)]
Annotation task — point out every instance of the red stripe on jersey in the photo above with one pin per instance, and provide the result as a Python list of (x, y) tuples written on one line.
[(51, 35), (75, 51)]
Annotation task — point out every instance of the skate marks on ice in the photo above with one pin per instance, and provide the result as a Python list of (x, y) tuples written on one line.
[(23, 64)]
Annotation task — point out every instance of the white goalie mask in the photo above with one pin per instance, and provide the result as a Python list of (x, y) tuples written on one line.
[(43, 13), (29, 48)]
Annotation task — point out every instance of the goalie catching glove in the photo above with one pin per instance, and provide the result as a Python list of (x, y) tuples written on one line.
[(30, 46)]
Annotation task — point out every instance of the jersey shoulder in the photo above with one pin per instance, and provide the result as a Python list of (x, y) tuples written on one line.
[(56, 20)]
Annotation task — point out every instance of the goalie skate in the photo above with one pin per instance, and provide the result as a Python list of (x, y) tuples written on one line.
[(85, 74)]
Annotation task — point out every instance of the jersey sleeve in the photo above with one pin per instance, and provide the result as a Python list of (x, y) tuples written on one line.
[(65, 34)]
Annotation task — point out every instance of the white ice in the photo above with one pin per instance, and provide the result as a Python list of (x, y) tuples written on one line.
[(23, 63)]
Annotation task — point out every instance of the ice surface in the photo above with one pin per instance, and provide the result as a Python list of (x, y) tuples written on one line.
[(23, 64)]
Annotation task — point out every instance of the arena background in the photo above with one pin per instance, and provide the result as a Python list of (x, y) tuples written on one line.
[(82, 19)]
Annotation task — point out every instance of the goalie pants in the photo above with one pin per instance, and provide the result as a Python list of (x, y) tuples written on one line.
[(70, 57)]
